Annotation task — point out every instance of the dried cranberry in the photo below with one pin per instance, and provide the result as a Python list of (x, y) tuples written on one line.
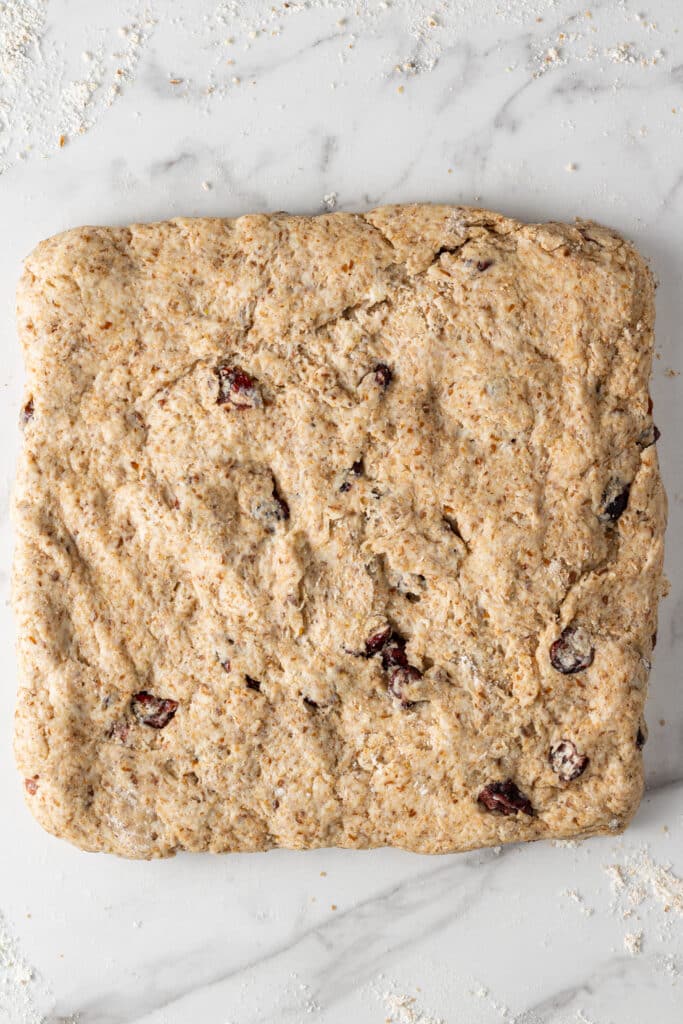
[(401, 677), (225, 664), (375, 643), (483, 265), (656, 431), (572, 651), (356, 470), (641, 737), (156, 712), (237, 388), (505, 798), (252, 684), (566, 761), (394, 653), (390, 645), (614, 501), (31, 785), (27, 411), (383, 375), (313, 705), (392, 648)]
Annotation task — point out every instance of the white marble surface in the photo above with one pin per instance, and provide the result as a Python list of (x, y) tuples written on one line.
[(319, 110)]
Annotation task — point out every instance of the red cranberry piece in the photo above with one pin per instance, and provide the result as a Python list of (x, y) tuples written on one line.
[(225, 664), (375, 643), (572, 651), (656, 431), (399, 679), (483, 265), (237, 388), (394, 653), (383, 375), (505, 798), (566, 761), (31, 785), (156, 712), (391, 646), (356, 470), (27, 412), (614, 501), (252, 684), (313, 705)]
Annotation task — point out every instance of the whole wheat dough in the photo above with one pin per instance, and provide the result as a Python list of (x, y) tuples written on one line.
[(342, 530)]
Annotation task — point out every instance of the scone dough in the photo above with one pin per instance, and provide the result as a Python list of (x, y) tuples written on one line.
[(335, 531)]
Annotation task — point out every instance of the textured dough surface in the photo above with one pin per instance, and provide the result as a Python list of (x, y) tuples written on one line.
[(235, 560)]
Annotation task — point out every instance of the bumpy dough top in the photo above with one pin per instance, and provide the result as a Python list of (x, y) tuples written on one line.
[(250, 446)]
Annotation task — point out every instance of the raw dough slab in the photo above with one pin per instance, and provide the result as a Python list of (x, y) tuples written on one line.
[(343, 530)]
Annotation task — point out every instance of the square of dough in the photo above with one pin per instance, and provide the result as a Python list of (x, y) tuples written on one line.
[(335, 531)]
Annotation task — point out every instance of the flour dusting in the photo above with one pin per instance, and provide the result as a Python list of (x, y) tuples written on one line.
[(640, 878), (17, 982), (58, 79), (403, 1008)]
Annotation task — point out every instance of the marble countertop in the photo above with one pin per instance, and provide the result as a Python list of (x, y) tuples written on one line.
[(113, 112)]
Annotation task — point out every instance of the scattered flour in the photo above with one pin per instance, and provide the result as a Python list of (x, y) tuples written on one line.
[(669, 966), (83, 101), (404, 1009), (627, 53), (21, 29), (59, 79), (577, 898), (17, 982), (641, 878), (639, 883)]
